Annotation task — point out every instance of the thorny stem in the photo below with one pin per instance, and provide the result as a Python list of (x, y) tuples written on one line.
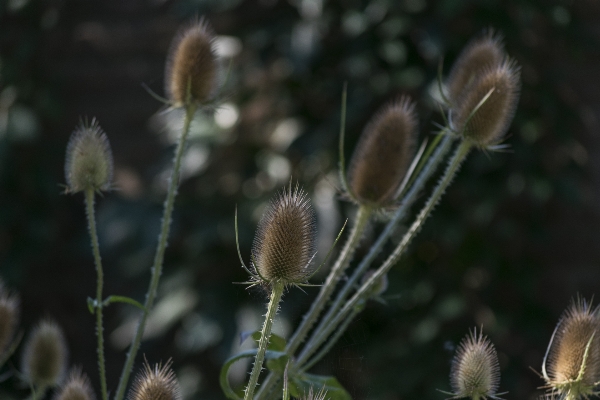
[(361, 294), (89, 201), (265, 335), (406, 203), (160, 251)]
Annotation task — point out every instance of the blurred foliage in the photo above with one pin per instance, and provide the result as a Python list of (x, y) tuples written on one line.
[(512, 241)]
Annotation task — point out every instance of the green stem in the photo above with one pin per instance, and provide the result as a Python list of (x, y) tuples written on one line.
[(363, 292), (407, 201), (160, 252), (89, 201), (265, 335), (362, 217)]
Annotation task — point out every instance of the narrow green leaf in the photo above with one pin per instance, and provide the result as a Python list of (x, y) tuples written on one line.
[(91, 303), (123, 299)]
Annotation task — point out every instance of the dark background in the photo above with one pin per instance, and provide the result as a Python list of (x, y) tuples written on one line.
[(514, 239)]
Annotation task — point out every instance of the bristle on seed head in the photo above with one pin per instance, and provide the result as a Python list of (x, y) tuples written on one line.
[(89, 162), (192, 63), (9, 317), (285, 239), (383, 154), (486, 107), (158, 383), (76, 387), (480, 54), (312, 395), (572, 362), (44, 360), (475, 370)]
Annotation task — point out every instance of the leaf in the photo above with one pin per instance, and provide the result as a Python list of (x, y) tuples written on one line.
[(301, 384), (276, 343), (91, 303), (227, 390), (278, 364), (122, 299)]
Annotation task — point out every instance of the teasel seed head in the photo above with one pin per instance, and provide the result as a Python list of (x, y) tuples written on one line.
[(192, 62), (475, 371), (89, 162), (9, 317), (572, 362), (320, 395), (285, 240), (76, 387), (44, 359), (483, 52), (158, 383), (486, 107), (383, 154)]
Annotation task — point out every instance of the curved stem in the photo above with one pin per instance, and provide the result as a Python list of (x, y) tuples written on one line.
[(89, 201), (407, 201), (160, 252), (265, 335), (363, 292)]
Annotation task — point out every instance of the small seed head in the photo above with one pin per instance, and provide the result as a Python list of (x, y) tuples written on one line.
[(9, 317), (483, 52), (475, 371), (573, 357), (158, 383), (383, 154), (76, 387), (89, 162), (285, 239), (192, 63), (486, 107), (44, 359)]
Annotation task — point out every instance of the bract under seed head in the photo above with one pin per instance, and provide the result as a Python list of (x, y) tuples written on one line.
[(572, 364), (192, 63), (9, 317), (44, 360), (486, 107), (475, 370), (285, 239), (158, 383), (383, 154), (76, 387), (89, 162), (481, 53)]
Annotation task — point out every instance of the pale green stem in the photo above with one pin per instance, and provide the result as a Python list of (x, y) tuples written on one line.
[(363, 292), (265, 335), (160, 251), (89, 201), (406, 203)]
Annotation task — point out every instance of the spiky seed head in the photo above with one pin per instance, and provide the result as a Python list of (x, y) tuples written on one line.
[(486, 107), (44, 359), (158, 383), (320, 395), (285, 239), (573, 357), (192, 61), (475, 371), (383, 154), (76, 387), (89, 162), (478, 55), (9, 317)]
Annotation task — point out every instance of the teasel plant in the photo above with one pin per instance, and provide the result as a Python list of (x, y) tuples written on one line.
[(478, 100), (571, 366)]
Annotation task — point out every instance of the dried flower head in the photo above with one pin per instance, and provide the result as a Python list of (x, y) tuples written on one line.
[(89, 162), (572, 361), (158, 383), (475, 372), (383, 154), (486, 107), (76, 387), (483, 52), (9, 317), (192, 64), (284, 244), (320, 395), (44, 359)]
